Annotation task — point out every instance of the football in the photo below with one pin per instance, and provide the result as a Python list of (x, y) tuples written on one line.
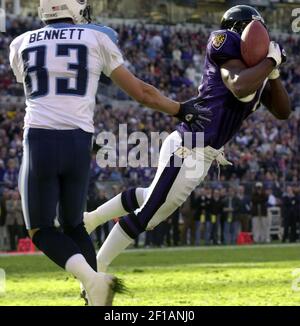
[(255, 43)]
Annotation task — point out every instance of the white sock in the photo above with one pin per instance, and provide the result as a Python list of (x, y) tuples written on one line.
[(79, 267), (141, 194), (116, 242), (110, 210)]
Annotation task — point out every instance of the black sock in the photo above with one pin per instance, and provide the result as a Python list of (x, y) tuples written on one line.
[(84, 242), (55, 245), (132, 226), (129, 200)]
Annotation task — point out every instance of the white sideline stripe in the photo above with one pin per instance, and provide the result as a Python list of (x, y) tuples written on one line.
[(174, 249), (179, 266), (199, 265), (221, 248), (21, 254)]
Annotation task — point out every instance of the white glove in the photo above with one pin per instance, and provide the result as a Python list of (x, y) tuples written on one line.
[(275, 74), (275, 53)]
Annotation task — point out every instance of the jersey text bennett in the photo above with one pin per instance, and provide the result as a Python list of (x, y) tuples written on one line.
[(57, 34)]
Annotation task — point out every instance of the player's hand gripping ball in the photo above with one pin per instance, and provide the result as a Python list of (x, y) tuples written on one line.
[(277, 54), (255, 43)]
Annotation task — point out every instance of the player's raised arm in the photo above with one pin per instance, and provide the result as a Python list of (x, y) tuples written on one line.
[(243, 81), (275, 97)]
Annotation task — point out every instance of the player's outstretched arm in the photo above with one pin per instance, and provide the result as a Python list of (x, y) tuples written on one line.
[(143, 92), (189, 112), (276, 99)]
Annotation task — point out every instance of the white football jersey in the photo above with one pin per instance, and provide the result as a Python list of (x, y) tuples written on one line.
[(60, 66)]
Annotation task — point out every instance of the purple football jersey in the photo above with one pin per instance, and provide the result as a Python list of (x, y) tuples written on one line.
[(228, 112)]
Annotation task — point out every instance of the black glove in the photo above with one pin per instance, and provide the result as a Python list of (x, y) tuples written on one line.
[(195, 115)]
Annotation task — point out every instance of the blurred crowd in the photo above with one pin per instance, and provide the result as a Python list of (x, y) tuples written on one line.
[(171, 58), (221, 216)]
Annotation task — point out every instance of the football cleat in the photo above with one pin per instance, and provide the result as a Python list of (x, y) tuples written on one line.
[(101, 290), (83, 295), (116, 287)]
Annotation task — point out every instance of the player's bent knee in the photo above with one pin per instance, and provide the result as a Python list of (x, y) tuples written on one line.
[(156, 221), (160, 217), (132, 226), (32, 232), (145, 193), (164, 212)]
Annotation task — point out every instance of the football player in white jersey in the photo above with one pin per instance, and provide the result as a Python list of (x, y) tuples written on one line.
[(60, 66)]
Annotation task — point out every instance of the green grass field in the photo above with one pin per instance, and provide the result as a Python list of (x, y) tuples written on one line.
[(185, 277)]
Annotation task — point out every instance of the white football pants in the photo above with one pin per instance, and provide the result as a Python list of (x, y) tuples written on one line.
[(172, 185)]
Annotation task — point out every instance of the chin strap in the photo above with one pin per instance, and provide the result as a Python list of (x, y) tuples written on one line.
[(87, 14)]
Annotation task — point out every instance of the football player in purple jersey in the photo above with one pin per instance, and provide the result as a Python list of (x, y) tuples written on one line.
[(231, 91)]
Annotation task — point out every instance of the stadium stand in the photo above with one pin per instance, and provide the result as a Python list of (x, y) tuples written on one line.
[(170, 58)]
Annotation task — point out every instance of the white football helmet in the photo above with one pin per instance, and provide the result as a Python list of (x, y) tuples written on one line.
[(78, 10)]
